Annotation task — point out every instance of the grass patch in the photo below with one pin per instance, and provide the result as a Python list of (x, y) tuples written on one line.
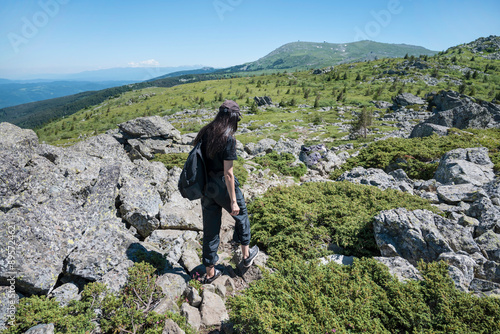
[(282, 163)]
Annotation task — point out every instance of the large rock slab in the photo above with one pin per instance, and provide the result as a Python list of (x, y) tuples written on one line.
[(262, 146), (489, 243), (452, 109), (454, 194), (181, 214), (378, 178), (212, 309), (461, 269), (140, 205), (150, 127), (420, 234), (41, 329), (465, 165), (428, 129), (43, 236), (406, 99), (103, 247), (400, 268)]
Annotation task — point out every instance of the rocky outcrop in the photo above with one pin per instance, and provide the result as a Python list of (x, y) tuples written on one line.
[(319, 158), (420, 234), (80, 212), (144, 137), (461, 166), (452, 109), (263, 100), (428, 129), (400, 268), (41, 329), (261, 147), (406, 99), (378, 178)]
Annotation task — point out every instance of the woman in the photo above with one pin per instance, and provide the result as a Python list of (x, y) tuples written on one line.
[(218, 145)]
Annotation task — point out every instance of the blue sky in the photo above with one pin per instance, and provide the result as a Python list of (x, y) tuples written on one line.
[(67, 36)]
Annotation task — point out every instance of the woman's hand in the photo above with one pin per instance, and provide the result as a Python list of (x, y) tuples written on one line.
[(235, 209)]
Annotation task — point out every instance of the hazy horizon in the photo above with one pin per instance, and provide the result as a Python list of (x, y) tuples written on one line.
[(66, 36)]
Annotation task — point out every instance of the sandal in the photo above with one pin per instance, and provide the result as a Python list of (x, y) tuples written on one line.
[(208, 280)]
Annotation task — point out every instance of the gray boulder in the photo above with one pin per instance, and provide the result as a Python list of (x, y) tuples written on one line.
[(465, 165), (401, 268), (428, 129), (14, 137), (483, 287), (193, 296), (173, 283), (212, 309), (150, 127), (461, 269), (487, 214), (171, 242), (311, 155), (166, 305), (172, 328), (378, 178), (454, 194), (382, 104), (44, 236), (190, 258), (262, 146), (66, 293), (102, 248), (285, 145), (181, 214), (192, 315), (337, 258), (140, 205), (489, 243), (420, 234), (455, 110), (405, 99), (41, 329), (263, 100)]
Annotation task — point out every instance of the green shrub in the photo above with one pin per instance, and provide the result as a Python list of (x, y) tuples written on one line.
[(418, 157), (129, 311), (362, 298), (282, 163), (300, 220)]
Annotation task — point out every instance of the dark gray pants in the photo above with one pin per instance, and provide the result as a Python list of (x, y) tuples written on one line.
[(216, 198)]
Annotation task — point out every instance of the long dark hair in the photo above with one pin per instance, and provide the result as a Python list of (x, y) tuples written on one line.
[(217, 132)]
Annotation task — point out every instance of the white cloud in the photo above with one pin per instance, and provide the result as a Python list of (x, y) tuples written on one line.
[(144, 63)]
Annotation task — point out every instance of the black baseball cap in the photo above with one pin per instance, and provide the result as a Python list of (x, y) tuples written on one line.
[(229, 106)]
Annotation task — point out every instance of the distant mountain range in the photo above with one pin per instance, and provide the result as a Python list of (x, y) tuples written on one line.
[(291, 56), (304, 55)]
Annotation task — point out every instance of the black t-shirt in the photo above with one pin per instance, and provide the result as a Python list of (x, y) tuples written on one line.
[(216, 164)]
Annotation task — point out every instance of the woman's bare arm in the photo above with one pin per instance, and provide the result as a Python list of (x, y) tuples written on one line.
[(229, 177)]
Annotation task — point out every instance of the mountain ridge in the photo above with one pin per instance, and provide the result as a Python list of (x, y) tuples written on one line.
[(304, 55)]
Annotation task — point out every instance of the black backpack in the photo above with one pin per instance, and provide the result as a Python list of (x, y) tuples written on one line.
[(194, 175)]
